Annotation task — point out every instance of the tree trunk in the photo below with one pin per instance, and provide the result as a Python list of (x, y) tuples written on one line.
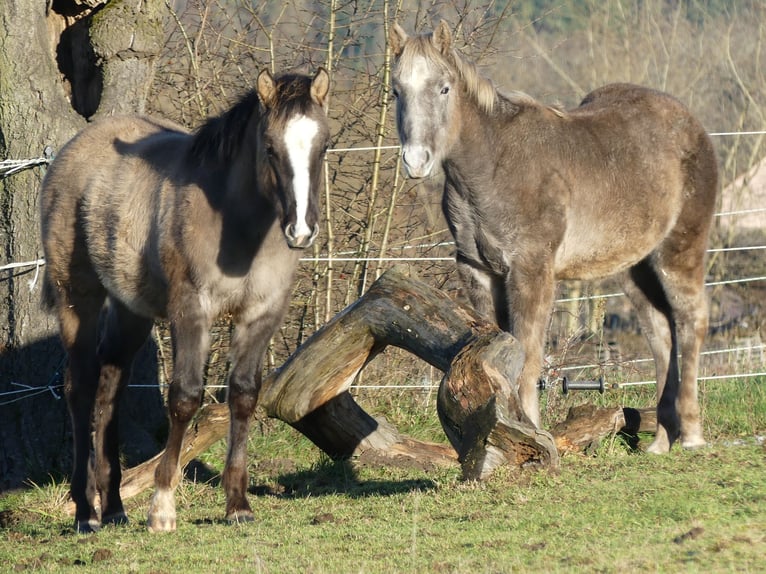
[(50, 81)]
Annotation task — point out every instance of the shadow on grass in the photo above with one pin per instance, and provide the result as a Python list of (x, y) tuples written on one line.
[(337, 477)]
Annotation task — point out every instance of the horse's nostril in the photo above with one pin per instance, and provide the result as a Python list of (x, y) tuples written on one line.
[(300, 241)]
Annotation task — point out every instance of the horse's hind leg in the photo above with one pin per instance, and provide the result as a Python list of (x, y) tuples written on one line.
[(79, 326), (645, 291), (123, 335), (683, 278), (673, 313)]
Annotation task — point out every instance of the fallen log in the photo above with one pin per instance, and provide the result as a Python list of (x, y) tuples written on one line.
[(586, 425)]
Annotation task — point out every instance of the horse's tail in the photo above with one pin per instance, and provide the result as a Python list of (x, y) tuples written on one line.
[(49, 294), (702, 171)]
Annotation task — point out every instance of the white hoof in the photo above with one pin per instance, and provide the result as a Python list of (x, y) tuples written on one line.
[(162, 512), (693, 443), (658, 447)]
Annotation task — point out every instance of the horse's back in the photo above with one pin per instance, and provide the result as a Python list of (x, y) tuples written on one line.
[(666, 142), (659, 121), (98, 160), (646, 169), (100, 198)]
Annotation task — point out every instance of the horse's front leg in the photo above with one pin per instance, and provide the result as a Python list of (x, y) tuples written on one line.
[(248, 346), (189, 331), (481, 288), (529, 299)]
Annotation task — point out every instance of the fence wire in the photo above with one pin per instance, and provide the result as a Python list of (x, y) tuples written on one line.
[(22, 391)]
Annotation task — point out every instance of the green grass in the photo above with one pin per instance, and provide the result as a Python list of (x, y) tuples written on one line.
[(616, 511)]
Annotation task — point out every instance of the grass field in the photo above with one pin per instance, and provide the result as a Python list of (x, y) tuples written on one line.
[(617, 510)]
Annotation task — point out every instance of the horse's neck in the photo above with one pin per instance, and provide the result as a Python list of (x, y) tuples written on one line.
[(481, 135), (246, 195), (473, 148)]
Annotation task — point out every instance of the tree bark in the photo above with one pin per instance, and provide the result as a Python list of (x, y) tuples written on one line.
[(480, 410), (50, 82), (310, 391)]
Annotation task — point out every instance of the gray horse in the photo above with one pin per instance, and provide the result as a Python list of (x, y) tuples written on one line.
[(158, 222), (626, 182)]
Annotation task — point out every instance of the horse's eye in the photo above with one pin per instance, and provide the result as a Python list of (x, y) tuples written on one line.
[(270, 150), (395, 92), (445, 91)]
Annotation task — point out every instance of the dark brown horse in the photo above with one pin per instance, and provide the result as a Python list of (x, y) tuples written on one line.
[(626, 182), (157, 222)]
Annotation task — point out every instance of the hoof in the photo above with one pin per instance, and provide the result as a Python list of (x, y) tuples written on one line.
[(241, 517), (86, 526), (161, 523), (117, 519), (693, 443), (658, 447), (162, 512)]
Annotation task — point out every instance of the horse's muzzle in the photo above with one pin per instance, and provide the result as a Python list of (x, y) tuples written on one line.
[(300, 241), (418, 160)]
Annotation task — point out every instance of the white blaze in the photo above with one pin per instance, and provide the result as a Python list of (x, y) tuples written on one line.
[(299, 138), (418, 77), (416, 153)]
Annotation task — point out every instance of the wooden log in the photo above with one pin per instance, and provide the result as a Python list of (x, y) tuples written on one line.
[(586, 425), (310, 391), (480, 412)]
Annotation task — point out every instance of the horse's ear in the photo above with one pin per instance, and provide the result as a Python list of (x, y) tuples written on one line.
[(397, 38), (320, 86), (267, 88), (442, 37)]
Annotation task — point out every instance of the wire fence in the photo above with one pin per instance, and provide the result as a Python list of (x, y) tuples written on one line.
[(755, 351)]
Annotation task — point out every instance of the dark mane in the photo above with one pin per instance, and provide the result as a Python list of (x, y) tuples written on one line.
[(220, 137), (294, 93)]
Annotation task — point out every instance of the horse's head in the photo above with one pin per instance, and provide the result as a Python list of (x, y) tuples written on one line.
[(424, 83), (294, 139)]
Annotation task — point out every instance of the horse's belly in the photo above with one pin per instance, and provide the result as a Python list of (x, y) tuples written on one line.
[(599, 244), (135, 286), (586, 262)]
